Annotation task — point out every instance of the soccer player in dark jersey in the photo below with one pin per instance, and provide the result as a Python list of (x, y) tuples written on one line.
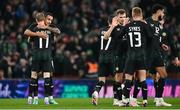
[(138, 34), (32, 32), (106, 58), (156, 60), (120, 54)]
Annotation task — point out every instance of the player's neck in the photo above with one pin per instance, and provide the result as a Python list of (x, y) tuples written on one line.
[(154, 17), (137, 19), (41, 24)]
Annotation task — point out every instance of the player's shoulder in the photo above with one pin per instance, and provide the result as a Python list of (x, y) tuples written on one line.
[(33, 24), (53, 25)]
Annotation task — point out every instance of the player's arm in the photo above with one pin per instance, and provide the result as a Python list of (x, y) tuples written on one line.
[(174, 49), (29, 32), (114, 23), (55, 30)]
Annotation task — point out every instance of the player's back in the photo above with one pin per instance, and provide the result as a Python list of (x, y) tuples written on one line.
[(106, 47), (137, 36), (41, 48), (155, 29)]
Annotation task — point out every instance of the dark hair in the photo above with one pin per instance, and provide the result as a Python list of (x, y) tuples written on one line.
[(157, 7), (110, 19), (48, 14)]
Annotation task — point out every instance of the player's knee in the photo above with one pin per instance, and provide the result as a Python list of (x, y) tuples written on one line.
[(102, 79), (47, 75), (119, 77), (34, 75), (128, 77)]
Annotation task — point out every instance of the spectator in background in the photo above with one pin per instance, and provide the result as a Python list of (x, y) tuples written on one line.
[(79, 21), (1, 74)]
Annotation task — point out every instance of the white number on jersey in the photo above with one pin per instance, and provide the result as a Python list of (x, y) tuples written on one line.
[(102, 43), (41, 42), (137, 36)]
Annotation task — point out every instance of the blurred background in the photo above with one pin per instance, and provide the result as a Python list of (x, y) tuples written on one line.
[(76, 49)]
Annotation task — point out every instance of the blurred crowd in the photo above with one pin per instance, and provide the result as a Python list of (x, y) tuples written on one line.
[(76, 49)]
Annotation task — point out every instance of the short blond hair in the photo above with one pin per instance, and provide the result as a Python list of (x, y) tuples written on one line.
[(137, 11), (120, 11), (40, 16)]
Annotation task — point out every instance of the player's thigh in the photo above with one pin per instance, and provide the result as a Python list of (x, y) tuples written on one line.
[(129, 67), (162, 71)]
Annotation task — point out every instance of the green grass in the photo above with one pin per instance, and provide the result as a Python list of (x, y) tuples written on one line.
[(79, 104)]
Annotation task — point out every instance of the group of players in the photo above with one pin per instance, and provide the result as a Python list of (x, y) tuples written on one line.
[(129, 49), (41, 35)]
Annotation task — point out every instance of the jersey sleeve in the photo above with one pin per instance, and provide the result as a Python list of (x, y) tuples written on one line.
[(32, 26)]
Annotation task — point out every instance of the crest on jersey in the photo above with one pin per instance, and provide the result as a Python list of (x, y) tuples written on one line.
[(118, 29), (164, 34), (117, 68), (152, 25)]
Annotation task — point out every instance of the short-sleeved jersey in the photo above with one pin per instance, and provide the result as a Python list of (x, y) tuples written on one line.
[(138, 34), (156, 30), (41, 48), (120, 47), (40, 43), (106, 47)]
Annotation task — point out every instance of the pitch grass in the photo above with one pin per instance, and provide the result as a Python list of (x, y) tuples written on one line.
[(80, 103)]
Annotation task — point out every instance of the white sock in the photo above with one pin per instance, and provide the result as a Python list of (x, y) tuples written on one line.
[(29, 97), (50, 97), (36, 97)]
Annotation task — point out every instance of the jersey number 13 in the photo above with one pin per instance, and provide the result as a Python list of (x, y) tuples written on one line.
[(135, 39)]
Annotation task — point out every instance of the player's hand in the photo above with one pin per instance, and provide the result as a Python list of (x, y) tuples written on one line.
[(115, 21), (165, 47), (176, 62), (126, 21), (42, 35)]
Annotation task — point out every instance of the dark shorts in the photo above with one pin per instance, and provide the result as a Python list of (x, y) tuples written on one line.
[(135, 61), (119, 64), (42, 66), (157, 60), (106, 69)]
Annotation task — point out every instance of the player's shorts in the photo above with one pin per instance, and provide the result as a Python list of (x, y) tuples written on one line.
[(42, 66), (106, 69), (119, 64), (42, 61), (157, 60), (135, 61)]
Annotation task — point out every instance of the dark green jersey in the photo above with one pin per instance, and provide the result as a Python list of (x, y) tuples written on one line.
[(40, 43), (106, 47), (155, 28), (41, 48), (121, 45), (167, 38)]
